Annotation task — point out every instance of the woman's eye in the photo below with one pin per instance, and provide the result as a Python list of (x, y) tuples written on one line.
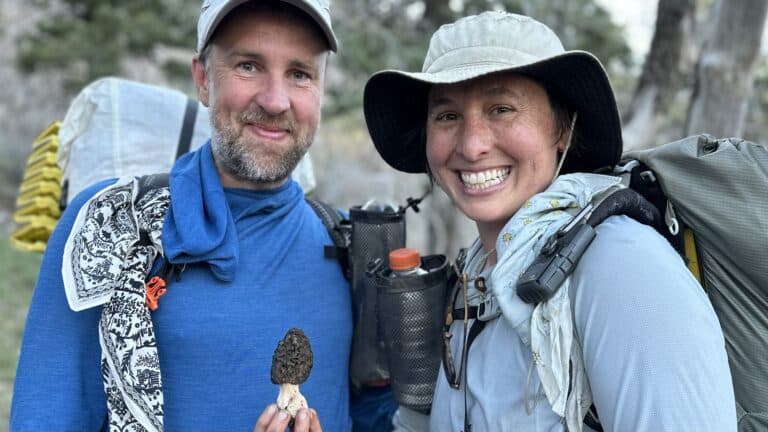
[(448, 116)]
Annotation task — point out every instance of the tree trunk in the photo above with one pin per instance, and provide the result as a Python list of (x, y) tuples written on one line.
[(437, 13), (725, 69), (666, 71)]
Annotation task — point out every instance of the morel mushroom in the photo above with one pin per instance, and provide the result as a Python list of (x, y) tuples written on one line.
[(291, 364)]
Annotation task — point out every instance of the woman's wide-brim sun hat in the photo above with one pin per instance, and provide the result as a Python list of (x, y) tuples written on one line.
[(395, 102)]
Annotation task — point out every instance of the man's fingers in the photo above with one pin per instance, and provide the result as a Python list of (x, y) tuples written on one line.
[(302, 421), (272, 420), (314, 425), (307, 421), (265, 418)]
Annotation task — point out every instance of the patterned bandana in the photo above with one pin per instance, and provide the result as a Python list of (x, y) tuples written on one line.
[(109, 253)]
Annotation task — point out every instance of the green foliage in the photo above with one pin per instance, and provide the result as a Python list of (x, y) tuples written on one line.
[(88, 39), (396, 33), (19, 270), (580, 24)]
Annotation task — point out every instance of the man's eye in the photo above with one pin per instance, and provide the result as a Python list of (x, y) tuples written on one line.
[(501, 109), (246, 67), (300, 75)]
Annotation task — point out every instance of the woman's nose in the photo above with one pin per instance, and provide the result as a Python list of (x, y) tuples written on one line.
[(476, 139)]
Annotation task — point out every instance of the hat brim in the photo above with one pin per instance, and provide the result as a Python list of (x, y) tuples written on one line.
[(395, 107), (322, 22)]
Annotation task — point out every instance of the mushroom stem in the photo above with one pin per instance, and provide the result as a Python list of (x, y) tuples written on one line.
[(290, 399)]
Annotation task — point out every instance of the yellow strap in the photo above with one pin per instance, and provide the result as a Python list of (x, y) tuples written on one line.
[(36, 227), (27, 246), (51, 129), (37, 206), (41, 173), (689, 245), (32, 233), (41, 160), (37, 202), (41, 188), (49, 144)]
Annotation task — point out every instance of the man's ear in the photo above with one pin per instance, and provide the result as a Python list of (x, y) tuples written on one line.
[(201, 80)]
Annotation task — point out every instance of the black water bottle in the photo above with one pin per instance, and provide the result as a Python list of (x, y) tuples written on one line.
[(376, 228)]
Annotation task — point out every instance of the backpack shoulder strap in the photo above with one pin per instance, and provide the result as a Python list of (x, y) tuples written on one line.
[(558, 260), (151, 182), (187, 127), (561, 253), (148, 183), (335, 222)]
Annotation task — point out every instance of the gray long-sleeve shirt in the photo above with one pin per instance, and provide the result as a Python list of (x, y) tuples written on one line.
[(653, 349)]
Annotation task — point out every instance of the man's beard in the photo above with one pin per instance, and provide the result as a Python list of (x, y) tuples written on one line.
[(252, 160)]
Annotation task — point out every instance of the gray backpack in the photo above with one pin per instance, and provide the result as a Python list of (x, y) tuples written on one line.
[(717, 213), (713, 195)]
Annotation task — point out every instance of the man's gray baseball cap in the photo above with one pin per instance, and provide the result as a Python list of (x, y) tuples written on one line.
[(214, 11)]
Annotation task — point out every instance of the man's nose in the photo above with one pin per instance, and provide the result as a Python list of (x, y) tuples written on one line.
[(273, 96)]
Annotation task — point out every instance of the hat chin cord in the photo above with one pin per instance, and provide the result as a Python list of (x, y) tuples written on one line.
[(567, 146)]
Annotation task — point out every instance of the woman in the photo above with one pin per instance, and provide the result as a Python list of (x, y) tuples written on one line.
[(508, 124)]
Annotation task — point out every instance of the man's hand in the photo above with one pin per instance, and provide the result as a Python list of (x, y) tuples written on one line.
[(275, 420)]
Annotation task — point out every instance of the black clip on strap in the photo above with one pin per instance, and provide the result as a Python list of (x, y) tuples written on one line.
[(557, 259)]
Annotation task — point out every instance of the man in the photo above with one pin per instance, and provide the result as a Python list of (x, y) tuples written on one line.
[(245, 248)]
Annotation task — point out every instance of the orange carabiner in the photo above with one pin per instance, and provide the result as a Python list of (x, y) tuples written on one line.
[(154, 289)]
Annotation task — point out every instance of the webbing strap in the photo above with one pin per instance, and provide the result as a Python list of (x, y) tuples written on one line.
[(691, 254), (187, 127), (333, 219), (474, 331)]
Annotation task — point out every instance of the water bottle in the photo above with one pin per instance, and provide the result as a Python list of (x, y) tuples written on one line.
[(376, 205), (405, 262), (411, 300), (377, 227)]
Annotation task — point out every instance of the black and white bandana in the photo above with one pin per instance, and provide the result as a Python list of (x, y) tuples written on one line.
[(107, 258)]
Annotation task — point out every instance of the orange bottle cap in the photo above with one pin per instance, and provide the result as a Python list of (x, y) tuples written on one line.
[(404, 259)]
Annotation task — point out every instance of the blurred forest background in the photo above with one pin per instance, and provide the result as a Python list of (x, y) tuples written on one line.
[(702, 70)]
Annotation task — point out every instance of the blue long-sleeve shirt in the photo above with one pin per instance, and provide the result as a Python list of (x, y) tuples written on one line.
[(215, 338)]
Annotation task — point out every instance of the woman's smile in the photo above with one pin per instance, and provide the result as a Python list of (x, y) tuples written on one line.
[(482, 181)]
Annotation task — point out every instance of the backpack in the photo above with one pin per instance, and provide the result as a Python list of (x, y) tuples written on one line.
[(713, 195), (717, 211), (113, 128)]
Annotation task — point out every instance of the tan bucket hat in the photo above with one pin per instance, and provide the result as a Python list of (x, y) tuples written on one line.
[(395, 102)]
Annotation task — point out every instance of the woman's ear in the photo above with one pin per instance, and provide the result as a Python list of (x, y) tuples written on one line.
[(565, 143)]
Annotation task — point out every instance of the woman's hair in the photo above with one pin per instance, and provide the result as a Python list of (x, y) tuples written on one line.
[(562, 114)]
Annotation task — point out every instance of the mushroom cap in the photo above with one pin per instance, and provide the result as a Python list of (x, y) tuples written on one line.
[(292, 359)]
